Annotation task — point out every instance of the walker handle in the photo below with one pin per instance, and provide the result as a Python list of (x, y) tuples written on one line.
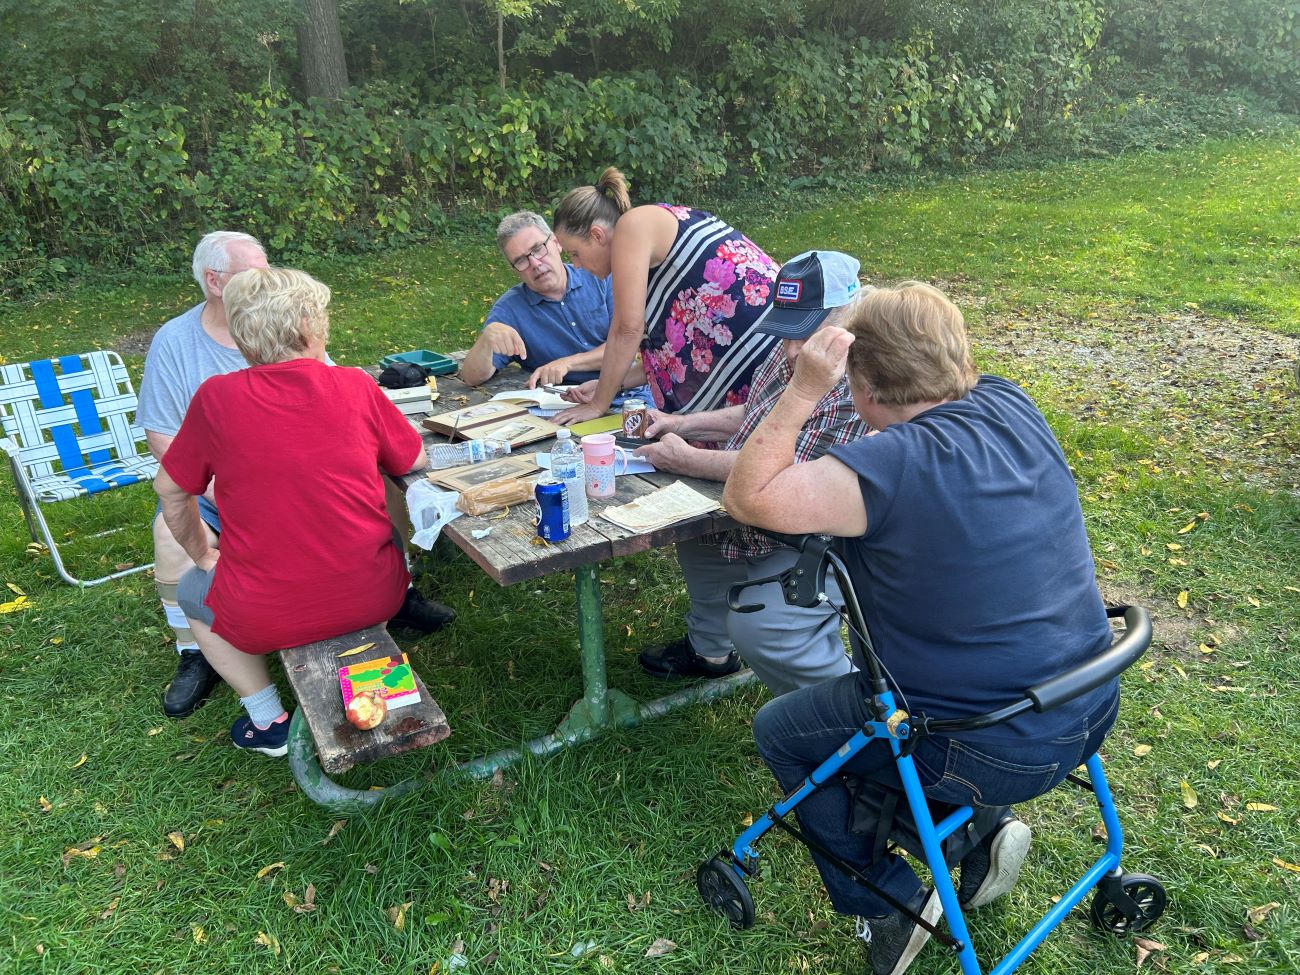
[(801, 584), (1078, 681)]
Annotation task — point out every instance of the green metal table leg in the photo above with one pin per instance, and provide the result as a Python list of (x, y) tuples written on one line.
[(320, 788), (599, 706)]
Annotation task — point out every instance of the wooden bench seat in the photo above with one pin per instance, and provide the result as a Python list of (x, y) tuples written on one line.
[(312, 670)]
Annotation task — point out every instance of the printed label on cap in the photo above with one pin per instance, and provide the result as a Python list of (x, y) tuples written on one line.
[(788, 290)]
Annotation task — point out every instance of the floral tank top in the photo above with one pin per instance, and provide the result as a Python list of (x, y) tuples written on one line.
[(700, 348)]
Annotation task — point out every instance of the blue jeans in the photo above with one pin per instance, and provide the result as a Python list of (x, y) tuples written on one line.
[(798, 731)]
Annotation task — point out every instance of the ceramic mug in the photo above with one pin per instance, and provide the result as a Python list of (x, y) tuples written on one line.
[(601, 455)]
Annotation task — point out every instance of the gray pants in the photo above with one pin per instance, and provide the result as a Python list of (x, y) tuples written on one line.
[(788, 647)]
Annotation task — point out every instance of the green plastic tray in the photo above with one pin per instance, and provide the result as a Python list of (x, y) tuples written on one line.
[(435, 363)]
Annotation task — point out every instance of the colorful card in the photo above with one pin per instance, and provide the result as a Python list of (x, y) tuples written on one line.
[(391, 676)]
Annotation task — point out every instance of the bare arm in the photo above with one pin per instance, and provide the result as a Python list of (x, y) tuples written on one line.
[(767, 488), (707, 425), (180, 511), (158, 444), (642, 239), (676, 456)]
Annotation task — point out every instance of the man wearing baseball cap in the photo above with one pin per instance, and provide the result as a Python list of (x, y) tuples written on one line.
[(788, 647)]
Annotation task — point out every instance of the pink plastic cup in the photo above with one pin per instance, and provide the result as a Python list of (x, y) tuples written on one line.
[(600, 455)]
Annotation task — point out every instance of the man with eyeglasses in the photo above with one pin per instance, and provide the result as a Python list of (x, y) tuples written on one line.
[(187, 350), (553, 322)]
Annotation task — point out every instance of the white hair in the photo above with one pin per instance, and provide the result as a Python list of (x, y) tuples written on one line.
[(212, 253)]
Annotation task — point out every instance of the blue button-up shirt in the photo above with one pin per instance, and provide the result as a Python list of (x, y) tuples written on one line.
[(551, 330)]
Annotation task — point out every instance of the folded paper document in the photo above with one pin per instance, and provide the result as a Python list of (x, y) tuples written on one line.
[(664, 507)]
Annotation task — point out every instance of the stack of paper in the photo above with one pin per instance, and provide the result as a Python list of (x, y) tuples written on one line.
[(540, 402), (664, 507)]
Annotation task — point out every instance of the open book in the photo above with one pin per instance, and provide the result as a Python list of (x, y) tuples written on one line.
[(541, 398)]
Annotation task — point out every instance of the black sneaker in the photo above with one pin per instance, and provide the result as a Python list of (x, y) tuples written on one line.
[(895, 940), (273, 741), (190, 686), (679, 659), (993, 867), (418, 613)]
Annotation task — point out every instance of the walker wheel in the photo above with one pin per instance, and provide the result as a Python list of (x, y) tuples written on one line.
[(725, 892), (1149, 895)]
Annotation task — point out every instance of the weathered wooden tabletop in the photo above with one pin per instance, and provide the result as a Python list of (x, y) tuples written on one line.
[(509, 554)]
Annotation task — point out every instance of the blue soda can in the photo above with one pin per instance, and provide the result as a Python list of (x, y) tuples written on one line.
[(552, 510)]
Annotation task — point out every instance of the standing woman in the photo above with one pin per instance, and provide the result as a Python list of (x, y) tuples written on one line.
[(688, 289)]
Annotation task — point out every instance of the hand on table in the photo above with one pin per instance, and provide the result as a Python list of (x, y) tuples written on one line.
[(670, 453), (821, 362), (579, 414), (582, 393)]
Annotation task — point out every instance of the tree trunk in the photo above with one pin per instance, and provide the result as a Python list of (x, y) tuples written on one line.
[(501, 48), (320, 50)]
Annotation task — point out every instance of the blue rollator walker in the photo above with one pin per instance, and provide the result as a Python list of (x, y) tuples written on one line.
[(934, 833)]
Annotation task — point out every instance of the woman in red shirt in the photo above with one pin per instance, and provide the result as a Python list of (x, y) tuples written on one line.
[(294, 448)]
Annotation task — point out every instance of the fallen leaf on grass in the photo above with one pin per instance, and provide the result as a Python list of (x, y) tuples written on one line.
[(661, 946), (15, 606), (269, 869), (44, 804), (1145, 947), (634, 904), (1227, 819), (1205, 648), (334, 831), (1187, 527), (1189, 794), (397, 917), (200, 936), (1260, 807), (1213, 763), (177, 840), (1253, 601), (268, 941), (79, 762), (155, 731), (1182, 599), (1200, 958), (1258, 914), (1293, 867), (107, 912), (86, 848), (15, 590), (1142, 750), (308, 901)]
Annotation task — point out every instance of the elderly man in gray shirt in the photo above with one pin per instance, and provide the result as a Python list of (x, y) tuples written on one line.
[(187, 350)]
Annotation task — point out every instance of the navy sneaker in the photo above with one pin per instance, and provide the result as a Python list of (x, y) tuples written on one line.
[(273, 741), (679, 659)]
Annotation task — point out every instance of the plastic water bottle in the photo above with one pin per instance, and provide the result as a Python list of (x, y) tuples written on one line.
[(567, 467), (442, 455)]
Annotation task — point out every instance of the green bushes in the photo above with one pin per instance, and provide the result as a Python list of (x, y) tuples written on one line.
[(164, 130)]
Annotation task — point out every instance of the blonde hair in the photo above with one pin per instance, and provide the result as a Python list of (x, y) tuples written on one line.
[(602, 203), (274, 313), (910, 345)]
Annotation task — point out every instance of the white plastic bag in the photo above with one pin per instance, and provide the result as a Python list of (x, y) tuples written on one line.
[(430, 507)]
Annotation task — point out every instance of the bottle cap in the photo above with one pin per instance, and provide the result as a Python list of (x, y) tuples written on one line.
[(564, 433)]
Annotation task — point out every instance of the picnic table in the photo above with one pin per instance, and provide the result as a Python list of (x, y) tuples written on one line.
[(510, 555)]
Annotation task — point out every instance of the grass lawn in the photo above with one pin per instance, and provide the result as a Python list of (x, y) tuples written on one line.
[(1150, 304)]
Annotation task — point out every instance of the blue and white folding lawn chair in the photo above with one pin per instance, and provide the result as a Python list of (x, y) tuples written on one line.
[(70, 432)]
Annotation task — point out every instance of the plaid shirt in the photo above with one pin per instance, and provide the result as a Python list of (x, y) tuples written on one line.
[(834, 421)]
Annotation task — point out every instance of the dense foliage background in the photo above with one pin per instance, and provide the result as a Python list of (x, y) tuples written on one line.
[(128, 127)]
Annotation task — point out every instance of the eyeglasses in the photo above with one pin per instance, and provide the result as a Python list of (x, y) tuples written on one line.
[(534, 253)]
